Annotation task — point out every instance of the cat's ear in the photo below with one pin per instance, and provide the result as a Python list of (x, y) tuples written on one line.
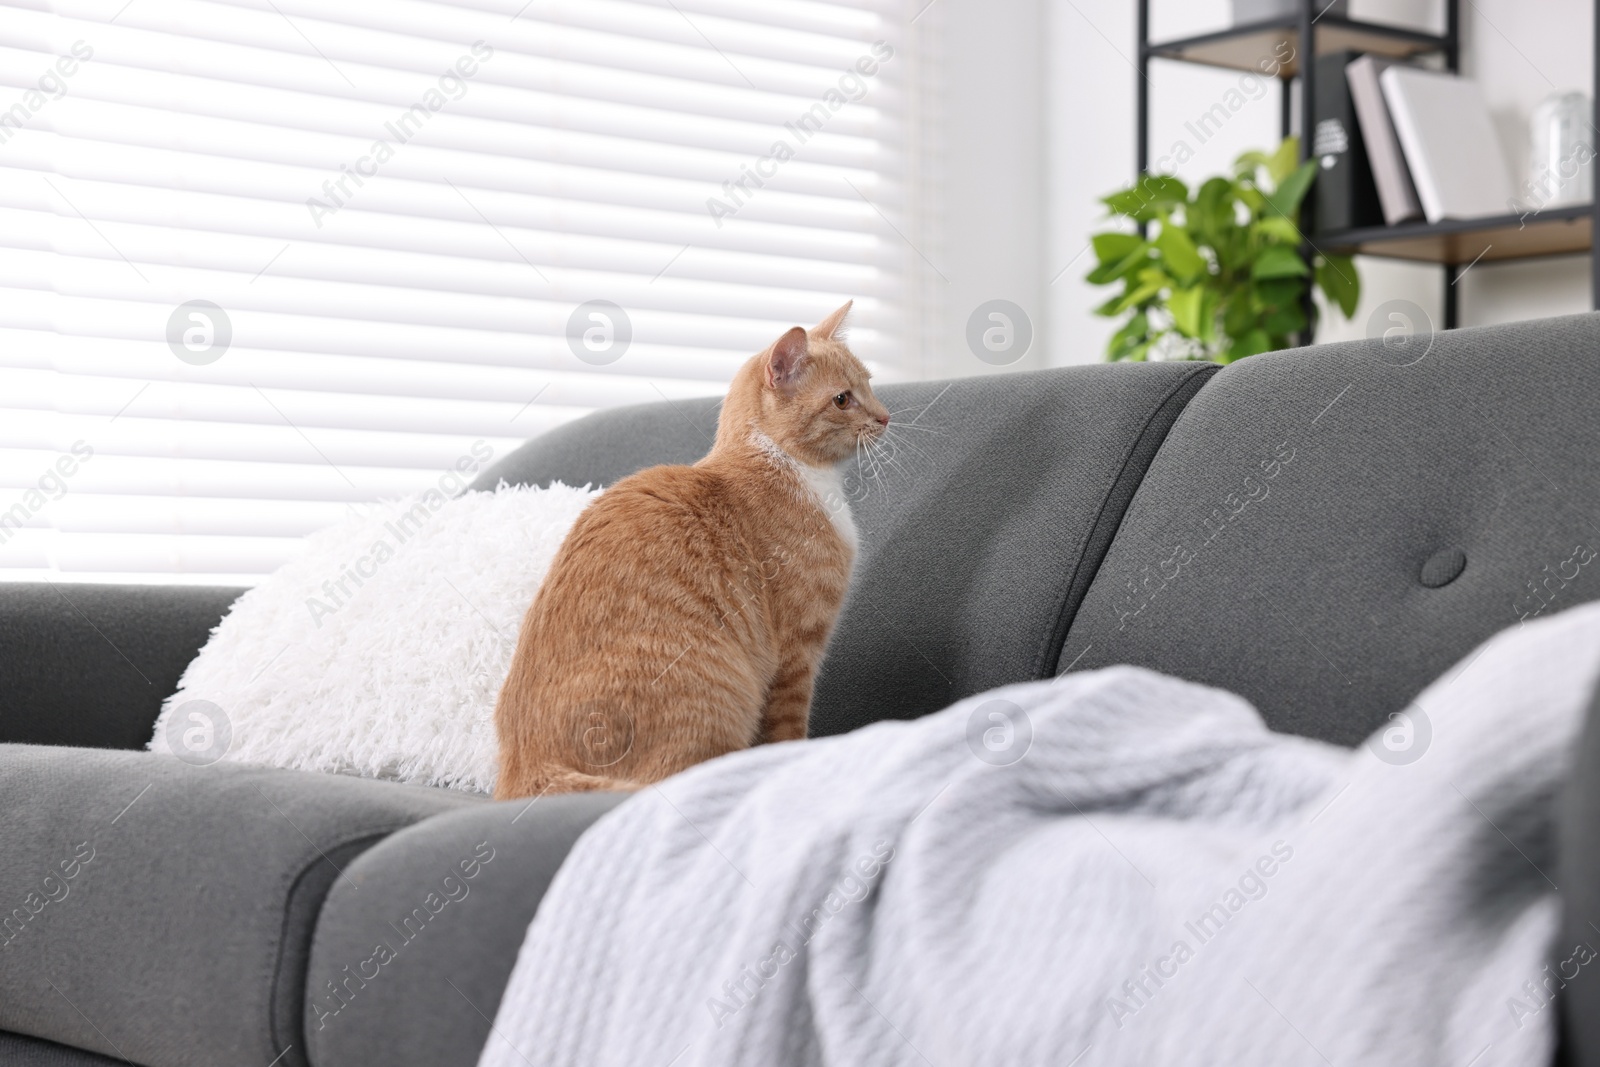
[(825, 329), (788, 359)]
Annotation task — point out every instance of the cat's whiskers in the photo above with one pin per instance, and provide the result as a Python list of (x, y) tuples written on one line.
[(911, 424), (866, 456), (863, 454), (882, 457), (887, 449), (869, 455), (889, 433), (914, 426)]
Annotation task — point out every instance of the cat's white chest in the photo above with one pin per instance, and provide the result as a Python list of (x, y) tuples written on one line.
[(828, 485)]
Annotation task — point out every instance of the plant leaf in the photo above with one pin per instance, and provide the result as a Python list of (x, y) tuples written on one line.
[(1209, 300), (1178, 254), (1212, 214), (1240, 315), (1136, 296), (1284, 319), (1163, 189), (1185, 307), (1109, 308), (1285, 199), (1125, 340), (1276, 292), (1147, 198), (1249, 162), (1281, 165), (1107, 273), (1126, 202), (1279, 229), (1339, 282), (1114, 247), (1278, 261)]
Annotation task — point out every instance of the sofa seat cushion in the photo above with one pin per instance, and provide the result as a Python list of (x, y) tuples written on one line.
[(1325, 530), (161, 912), (415, 944)]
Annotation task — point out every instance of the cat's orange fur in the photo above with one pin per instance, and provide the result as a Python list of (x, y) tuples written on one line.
[(687, 610)]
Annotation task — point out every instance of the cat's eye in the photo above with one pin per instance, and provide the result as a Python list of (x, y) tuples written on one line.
[(842, 400)]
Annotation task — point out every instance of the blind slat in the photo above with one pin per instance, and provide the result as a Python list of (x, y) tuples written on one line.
[(837, 228), (461, 262)]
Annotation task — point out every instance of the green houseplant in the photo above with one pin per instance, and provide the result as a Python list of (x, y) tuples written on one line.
[(1220, 275)]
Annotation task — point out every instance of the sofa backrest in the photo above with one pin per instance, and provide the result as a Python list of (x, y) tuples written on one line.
[(1326, 530), (979, 539)]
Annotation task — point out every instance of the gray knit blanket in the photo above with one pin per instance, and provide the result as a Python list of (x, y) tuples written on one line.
[(1116, 867)]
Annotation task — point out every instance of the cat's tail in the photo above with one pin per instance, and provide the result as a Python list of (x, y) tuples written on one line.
[(556, 780), (566, 781)]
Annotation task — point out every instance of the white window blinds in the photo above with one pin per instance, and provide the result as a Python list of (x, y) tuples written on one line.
[(264, 261)]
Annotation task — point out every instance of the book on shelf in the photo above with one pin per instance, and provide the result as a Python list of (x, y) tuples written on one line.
[(1449, 143), (1344, 195), (1396, 193)]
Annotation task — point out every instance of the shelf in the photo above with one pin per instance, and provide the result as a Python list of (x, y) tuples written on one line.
[(1246, 47), (1453, 244), (1554, 232)]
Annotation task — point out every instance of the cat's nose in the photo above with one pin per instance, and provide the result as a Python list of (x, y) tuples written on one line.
[(883, 420)]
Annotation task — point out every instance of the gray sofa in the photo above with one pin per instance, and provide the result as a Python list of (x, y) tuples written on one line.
[(1292, 527)]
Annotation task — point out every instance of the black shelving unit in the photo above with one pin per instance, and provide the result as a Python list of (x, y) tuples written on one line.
[(1453, 244)]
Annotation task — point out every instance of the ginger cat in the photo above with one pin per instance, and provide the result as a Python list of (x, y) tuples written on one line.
[(686, 612)]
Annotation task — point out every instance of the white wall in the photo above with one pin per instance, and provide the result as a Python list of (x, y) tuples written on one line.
[(1519, 53), (981, 235)]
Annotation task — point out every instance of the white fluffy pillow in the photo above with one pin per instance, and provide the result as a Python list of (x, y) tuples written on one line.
[(380, 649)]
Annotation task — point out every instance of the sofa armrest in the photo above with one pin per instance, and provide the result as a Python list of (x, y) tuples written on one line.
[(89, 665), (415, 944)]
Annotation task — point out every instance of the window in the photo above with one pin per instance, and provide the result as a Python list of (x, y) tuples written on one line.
[(262, 262)]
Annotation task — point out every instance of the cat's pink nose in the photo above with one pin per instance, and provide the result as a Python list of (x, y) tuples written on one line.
[(884, 418)]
